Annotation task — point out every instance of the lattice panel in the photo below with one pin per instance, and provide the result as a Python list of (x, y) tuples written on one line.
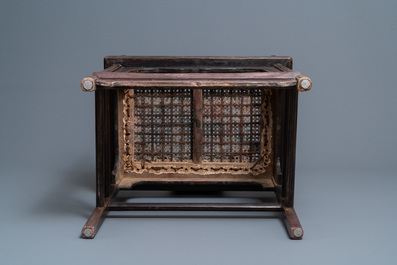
[(157, 131), (232, 121), (162, 125)]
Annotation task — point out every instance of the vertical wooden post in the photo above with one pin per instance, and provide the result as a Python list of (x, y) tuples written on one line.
[(277, 107), (100, 146), (282, 139), (114, 140), (105, 147), (197, 125), (290, 145)]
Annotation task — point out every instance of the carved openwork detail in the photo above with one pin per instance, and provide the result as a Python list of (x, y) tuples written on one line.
[(157, 131), (128, 127)]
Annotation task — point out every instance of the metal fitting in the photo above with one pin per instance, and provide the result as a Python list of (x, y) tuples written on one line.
[(88, 233), (88, 84), (304, 84), (298, 233)]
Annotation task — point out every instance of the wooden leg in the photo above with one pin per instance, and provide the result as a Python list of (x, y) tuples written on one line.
[(92, 225), (294, 227)]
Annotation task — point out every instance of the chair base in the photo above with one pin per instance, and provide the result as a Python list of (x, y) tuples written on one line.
[(92, 225)]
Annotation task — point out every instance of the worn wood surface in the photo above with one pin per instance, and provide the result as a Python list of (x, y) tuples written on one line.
[(106, 144), (100, 134), (226, 77), (289, 83), (283, 68), (191, 69), (196, 80), (199, 61), (197, 126), (215, 71), (93, 223), (198, 186), (294, 227), (130, 180), (290, 146), (95, 220), (277, 142)]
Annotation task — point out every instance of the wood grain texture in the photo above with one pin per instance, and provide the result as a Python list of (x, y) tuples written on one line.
[(290, 146), (194, 179), (220, 61), (100, 146), (197, 76), (197, 126), (289, 83), (93, 223), (294, 227)]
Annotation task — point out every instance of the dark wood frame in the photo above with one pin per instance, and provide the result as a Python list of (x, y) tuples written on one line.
[(278, 76)]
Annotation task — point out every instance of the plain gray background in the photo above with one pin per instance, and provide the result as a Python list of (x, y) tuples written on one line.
[(346, 151)]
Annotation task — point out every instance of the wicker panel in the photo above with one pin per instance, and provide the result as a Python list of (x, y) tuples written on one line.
[(232, 125), (157, 131), (162, 125)]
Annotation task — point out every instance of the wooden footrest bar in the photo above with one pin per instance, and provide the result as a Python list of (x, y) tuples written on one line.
[(125, 206)]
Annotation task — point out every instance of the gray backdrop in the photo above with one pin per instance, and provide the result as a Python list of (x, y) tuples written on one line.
[(346, 152)]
